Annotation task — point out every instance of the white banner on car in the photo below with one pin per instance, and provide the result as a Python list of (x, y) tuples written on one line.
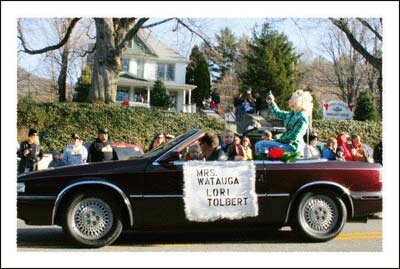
[(219, 190)]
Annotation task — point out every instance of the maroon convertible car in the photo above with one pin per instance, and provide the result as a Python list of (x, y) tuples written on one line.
[(95, 202)]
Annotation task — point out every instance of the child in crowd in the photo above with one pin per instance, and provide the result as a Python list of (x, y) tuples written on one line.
[(56, 162), (329, 151), (233, 151), (340, 154), (194, 153), (237, 140), (247, 151), (228, 137)]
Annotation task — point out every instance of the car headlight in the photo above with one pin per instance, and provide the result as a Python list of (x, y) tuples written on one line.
[(20, 187)]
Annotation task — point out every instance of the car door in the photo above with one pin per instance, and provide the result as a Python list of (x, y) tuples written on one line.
[(163, 196), (280, 181)]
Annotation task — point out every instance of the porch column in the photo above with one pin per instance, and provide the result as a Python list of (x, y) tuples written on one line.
[(184, 101), (190, 97), (131, 94), (148, 95)]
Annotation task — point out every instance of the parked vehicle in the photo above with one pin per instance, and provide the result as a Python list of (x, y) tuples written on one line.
[(125, 150), (95, 202)]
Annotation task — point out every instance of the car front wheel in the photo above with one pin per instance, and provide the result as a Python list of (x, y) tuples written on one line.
[(92, 219), (319, 216)]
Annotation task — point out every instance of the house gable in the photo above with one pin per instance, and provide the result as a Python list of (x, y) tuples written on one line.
[(138, 48)]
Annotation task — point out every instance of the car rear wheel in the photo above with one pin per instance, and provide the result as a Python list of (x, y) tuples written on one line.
[(92, 219), (319, 216)]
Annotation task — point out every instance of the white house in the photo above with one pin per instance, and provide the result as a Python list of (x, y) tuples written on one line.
[(146, 60)]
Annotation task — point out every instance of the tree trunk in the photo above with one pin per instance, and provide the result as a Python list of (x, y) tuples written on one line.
[(62, 77), (107, 64), (380, 89)]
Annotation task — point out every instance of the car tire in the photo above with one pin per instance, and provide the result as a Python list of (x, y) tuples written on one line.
[(92, 219), (319, 216)]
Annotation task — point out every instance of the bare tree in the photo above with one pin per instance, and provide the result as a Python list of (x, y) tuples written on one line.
[(347, 72), (375, 59), (61, 60), (112, 38)]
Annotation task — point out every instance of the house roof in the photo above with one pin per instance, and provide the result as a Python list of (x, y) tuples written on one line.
[(159, 48), (132, 76), (126, 78)]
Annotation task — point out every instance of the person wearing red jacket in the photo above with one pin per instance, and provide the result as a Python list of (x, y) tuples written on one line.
[(342, 142)]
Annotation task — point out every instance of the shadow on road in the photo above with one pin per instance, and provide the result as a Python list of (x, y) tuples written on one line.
[(54, 238)]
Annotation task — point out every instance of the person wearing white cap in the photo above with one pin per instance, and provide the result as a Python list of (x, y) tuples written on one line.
[(75, 153)]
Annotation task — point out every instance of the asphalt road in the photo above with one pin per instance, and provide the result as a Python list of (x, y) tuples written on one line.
[(355, 237)]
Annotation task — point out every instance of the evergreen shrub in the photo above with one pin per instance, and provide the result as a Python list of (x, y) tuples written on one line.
[(56, 121)]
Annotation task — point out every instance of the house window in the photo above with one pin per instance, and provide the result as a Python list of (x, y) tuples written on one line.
[(170, 72), (161, 71), (140, 68), (125, 65), (166, 72)]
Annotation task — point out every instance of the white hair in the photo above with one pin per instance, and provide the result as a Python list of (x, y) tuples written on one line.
[(304, 100)]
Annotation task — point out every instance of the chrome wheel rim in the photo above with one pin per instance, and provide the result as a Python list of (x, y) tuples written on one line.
[(92, 218), (320, 214)]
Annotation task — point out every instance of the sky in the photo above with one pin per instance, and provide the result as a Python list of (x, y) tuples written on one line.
[(305, 34), (389, 10)]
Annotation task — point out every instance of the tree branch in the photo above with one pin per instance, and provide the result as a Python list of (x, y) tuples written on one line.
[(196, 33), (366, 24), (342, 25), (157, 23), (49, 48), (130, 34), (88, 51)]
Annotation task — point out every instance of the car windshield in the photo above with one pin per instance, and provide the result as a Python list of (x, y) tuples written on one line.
[(168, 145)]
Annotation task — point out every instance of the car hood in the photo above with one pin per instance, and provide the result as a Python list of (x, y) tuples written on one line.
[(88, 169)]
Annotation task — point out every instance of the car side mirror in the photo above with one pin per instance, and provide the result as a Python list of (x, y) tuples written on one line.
[(170, 157)]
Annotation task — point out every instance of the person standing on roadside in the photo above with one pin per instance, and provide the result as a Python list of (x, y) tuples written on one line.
[(215, 98), (56, 161), (75, 153), (378, 153), (101, 149), (158, 140), (30, 153)]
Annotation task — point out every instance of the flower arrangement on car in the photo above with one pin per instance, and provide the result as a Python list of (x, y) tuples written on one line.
[(277, 154)]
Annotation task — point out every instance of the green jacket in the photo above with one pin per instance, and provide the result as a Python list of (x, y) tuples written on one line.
[(296, 127)]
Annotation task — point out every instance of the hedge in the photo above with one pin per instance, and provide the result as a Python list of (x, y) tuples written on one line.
[(57, 121), (369, 131)]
